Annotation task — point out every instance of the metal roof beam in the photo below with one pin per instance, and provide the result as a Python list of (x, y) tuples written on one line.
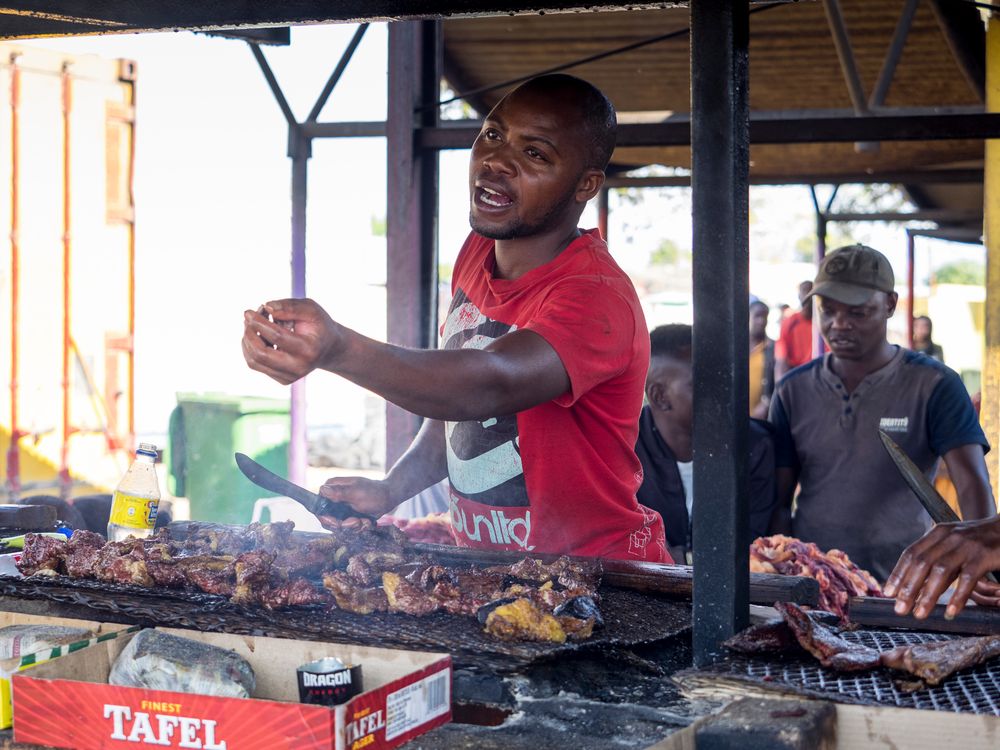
[(963, 31), (818, 129), (59, 17), (929, 177)]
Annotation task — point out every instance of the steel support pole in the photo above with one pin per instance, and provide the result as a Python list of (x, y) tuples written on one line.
[(720, 166), (990, 410), (300, 149), (411, 273), (911, 257)]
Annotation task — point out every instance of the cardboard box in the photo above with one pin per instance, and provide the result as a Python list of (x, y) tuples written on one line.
[(103, 631), (69, 704), (887, 728)]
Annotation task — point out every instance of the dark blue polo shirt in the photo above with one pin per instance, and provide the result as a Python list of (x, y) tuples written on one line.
[(851, 495)]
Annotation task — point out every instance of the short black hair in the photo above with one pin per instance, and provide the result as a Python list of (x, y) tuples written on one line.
[(673, 340), (597, 113)]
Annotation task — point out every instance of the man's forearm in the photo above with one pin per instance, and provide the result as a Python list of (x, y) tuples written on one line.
[(968, 472), (514, 373), (422, 465)]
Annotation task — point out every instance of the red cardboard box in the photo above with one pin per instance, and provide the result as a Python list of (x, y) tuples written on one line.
[(68, 703)]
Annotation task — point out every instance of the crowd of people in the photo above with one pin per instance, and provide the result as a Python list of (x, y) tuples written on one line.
[(563, 425)]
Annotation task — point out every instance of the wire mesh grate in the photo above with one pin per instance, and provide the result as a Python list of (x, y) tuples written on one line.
[(975, 690)]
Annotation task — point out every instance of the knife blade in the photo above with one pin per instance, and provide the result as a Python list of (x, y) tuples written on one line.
[(315, 504), (930, 498)]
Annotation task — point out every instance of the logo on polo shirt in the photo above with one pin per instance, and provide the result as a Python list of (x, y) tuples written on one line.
[(894, 424)]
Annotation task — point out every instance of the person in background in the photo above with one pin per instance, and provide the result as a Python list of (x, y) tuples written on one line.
[(761, 361), (664, 444), (795, 339), (828, 415), (922, 342), (531, 404)]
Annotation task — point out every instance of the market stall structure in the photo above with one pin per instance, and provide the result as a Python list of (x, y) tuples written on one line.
[(938, 52)]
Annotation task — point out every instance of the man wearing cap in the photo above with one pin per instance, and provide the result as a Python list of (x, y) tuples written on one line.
[(828, 413)]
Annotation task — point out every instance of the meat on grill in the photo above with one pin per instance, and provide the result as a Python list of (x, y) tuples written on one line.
[(933, 662), (352, 597), (825, 643), (839, 579), (42, 555), (362, 571)]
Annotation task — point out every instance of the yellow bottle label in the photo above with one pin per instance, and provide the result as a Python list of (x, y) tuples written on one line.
[(133, 512)]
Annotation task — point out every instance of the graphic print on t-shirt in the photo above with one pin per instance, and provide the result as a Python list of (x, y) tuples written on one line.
[(484, 462)]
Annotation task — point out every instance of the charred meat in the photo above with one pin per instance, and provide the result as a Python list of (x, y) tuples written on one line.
[(42, 555), (933, 662), (825, 643), (362, 571)]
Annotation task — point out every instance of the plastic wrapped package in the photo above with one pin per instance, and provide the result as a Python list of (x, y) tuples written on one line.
[(160, 661), (17, 640)]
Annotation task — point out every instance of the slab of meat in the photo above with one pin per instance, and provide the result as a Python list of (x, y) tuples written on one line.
[(351, 597), (42, 554), (825, 643), (933, 662), (839, 579), (771, 637), (82, 552)]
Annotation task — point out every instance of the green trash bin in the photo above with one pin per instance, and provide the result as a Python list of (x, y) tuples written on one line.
[(205, 431)]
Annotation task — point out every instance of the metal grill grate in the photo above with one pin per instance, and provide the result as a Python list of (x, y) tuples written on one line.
[(973, 690)]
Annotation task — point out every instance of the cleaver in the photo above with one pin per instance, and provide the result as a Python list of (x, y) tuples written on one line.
[(930, 498), (315, 504)]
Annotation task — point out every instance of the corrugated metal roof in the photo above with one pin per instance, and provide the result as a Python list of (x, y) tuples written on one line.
[(793, 67)]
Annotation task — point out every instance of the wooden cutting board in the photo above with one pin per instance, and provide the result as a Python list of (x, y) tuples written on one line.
[(878, 613)]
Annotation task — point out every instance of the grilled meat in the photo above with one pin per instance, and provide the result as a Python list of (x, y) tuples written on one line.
[(363, 571), (294, 593), (771, 637), (353, 598), (403, 596), (825, 643), (933, 662), (42, 555), (253, 577), (521, 620)]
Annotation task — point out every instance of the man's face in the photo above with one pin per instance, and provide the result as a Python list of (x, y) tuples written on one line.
[(855, 331), (921, 329), (526, 167)]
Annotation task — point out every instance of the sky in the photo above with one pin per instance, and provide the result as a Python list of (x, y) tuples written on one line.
[(212, 191)]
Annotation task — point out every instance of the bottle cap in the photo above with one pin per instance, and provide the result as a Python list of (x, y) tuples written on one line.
[(148, 448)]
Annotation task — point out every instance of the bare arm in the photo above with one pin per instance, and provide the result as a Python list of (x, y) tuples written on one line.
[(424, 464), (515, 372), (967, 469)]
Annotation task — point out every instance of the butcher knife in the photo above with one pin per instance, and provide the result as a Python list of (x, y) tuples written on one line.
[(315, 504), (930, 498)]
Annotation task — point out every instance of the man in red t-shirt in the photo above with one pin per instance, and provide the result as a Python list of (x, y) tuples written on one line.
[(532, 403), (794, 346)]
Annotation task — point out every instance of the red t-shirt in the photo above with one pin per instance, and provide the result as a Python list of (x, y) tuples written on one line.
[(562, 476), (795, 341)]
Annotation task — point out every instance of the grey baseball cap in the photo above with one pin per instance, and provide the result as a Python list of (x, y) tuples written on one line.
[(852, 274)]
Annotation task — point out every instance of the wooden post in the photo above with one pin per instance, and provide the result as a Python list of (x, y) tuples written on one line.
[(990, 413)]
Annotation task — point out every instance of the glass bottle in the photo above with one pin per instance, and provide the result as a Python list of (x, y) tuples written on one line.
[(136, 499)]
